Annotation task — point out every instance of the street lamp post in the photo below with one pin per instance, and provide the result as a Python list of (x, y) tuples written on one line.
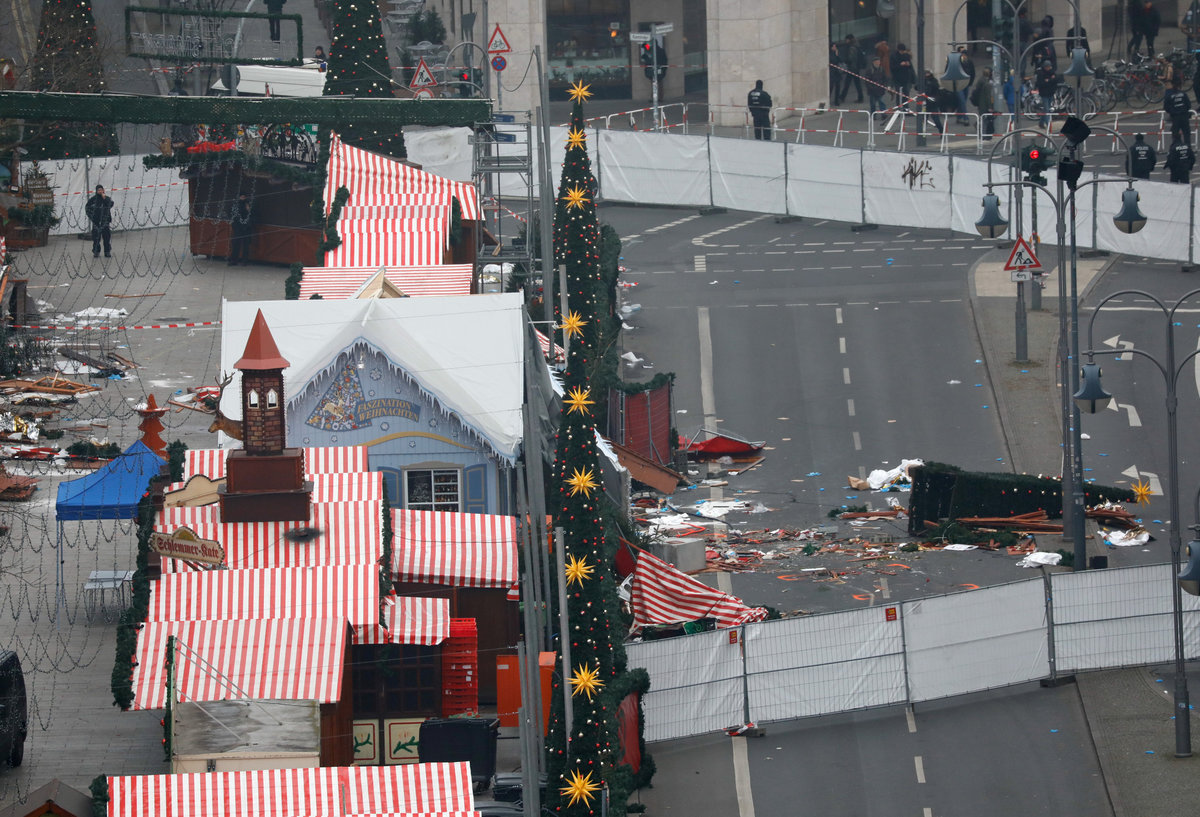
[(1128, 220), (1092, 397)]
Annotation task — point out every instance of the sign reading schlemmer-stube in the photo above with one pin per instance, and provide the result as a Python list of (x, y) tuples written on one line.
[(189, 35)]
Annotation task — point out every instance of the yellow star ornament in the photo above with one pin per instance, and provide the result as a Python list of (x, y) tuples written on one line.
[(578, 400), (582, 482), (576, 197), (1141, 492), (586, 680), (575, 139), (580, 787), (574, 324), (579, 92), (578, 570)]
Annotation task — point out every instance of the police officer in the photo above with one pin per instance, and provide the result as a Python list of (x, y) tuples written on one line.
[(1141, 159), (759, 103), (1179, 108), (1180, 159)]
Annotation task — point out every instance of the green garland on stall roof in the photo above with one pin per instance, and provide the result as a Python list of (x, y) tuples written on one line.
[(277, 169), (291, 284), (385, 561), (134, 617), (456, 219), (100, 798), (324, 133), (332, 240), (176, 456)]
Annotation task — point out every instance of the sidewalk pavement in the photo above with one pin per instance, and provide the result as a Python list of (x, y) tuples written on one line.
[(1129, 711)]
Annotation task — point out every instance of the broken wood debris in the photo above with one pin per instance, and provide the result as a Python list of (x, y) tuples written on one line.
[(56, 384)]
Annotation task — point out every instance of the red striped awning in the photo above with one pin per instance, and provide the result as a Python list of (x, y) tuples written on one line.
[(323, 460), (286, 659), (396, 212), (544, 342), (343, 282), (380, 243), (458, 549), (410, 620), (353, 487), (378, 180), (338, 591), (328, 791), (660, 594), (350, 533)]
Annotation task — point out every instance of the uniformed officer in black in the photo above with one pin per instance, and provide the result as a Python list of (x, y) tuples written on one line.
[(1179, 108), (1180, 159), (759, 103), (1141, 159)]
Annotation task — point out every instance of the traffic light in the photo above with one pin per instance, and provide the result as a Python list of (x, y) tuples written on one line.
[(1034, 160), (1002, 30), (465, 89), (646, 55)]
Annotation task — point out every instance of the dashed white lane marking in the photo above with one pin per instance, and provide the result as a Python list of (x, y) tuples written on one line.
[(846, 377), (857, 440), (912, 720), (671, 224), (837, 313), (842, 345), (884, 590), (920, 764), (850, 406), (700, 241)]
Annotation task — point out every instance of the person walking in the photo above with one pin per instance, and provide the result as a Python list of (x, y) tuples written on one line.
[(1177, 106), (1180, 159), (1077, 38), (985, 101), (835, 73), (274, 9), (968, 66), (99, 212), (854, 62), (884, 52), (903, 74), (1046, 82), (241, 231), (1141, 159), (876, 85), (1144, 22), (759, 103), (933, 104)]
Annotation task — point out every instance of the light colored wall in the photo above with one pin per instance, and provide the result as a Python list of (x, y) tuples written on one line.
[(524, 25)]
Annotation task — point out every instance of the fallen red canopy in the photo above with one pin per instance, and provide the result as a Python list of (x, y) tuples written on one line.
[(721, 445)]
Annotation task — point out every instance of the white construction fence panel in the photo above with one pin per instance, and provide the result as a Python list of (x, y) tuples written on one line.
[(970, 185), (1116, 618), (824, 182), (695, 684), (907, 190), (142, 197), (748, 175), (976, 640), (824, 664), (654, 168), (1167, 208)]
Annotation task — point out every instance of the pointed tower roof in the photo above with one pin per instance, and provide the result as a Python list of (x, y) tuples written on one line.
[(261, 353)]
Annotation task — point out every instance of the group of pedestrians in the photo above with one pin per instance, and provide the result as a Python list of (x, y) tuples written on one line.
[(1142, 158)]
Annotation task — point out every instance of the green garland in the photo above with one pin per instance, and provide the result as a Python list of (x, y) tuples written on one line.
[(385, 561), (193, 161), (332, 240), (100, 798), (134, 617), (291, 285)]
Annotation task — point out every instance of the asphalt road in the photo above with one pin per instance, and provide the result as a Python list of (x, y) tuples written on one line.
[(984, 755)]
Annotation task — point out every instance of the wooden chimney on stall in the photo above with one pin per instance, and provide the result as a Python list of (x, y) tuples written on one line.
[(264, 479)]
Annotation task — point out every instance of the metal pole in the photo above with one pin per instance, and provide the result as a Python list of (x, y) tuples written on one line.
[(745, 679), (920, 89), (1049, 604), (1183, 715), (654, 79), (1022, 328), (564, 631), (1078, 522), (1035, 287), (546, 221), (1063, 362)]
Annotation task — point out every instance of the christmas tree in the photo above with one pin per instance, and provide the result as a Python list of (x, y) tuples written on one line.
[(358, 66), (68, 60), (583, 759)]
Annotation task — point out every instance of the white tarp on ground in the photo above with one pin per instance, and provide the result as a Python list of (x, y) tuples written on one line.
[(907, 189), (465, 351), (824, 182), (655, 168), (141, 198)]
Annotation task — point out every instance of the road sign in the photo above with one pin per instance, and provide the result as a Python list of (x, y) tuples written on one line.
[(504, 117), (498, 43), (499, 63), (662, 28), (1022, 257), (422, 93), (422, 77), (1019, 275), (639, 37), (504, 137)]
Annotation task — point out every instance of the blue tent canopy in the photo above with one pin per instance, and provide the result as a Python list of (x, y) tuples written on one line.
[(113, 492)]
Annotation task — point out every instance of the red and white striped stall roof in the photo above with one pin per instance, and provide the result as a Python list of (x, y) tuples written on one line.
[(357, 486), (410, 620), (661, 594), (378, 180), (416, 282), (395, 212), (287, 659), (324, 460), (338, 591), (459, 549), (328, 791), (350, 533), (375, 243)]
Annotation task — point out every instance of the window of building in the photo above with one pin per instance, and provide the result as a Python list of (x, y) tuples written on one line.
[(432, 489), (272, 399), (252, 399), (396, 680)]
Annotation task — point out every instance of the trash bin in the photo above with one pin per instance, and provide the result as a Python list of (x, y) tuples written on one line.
[(1097, 562), (509, 787), (448, 740)]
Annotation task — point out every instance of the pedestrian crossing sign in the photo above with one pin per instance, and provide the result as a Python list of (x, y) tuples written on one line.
[(422, 77), (1022, 257)]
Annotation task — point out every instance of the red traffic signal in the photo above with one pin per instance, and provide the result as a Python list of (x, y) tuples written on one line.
[(1034, 153)]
